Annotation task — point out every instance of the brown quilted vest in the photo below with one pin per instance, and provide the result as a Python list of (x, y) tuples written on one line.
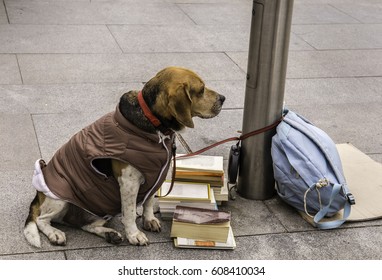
[(72, 176)]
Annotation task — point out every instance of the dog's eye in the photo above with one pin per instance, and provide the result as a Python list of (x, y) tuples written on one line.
[(201, 92)]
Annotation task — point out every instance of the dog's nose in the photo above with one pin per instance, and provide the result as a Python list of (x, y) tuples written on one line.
[(221, 98)]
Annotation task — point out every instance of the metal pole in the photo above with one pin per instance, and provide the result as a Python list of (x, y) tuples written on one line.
[(264, 95)]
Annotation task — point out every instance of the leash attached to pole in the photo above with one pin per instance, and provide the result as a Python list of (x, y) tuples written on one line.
[(234, 155), (239, 139)]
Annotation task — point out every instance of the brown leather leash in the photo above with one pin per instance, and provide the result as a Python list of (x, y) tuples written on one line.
[(240, 138), (190, 154), (232, 172)]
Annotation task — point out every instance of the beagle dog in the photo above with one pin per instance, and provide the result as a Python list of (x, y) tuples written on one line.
[(118, 161)]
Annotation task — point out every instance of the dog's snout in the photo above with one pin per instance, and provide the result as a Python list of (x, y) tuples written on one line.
[(221, 98)]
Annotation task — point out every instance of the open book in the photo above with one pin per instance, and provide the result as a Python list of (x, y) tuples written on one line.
[(211, 164), (184, 191)]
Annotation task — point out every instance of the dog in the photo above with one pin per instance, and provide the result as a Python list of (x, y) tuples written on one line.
[(118, 161)]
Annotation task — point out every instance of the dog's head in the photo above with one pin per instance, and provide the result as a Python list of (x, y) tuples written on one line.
[(180, 94)]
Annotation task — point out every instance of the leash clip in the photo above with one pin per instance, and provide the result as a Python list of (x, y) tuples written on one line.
[(233, 163)]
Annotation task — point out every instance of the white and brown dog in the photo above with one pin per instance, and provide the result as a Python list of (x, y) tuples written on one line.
[(118, 161)]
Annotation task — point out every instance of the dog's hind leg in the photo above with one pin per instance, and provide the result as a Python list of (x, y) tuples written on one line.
[(30, 229), (97, 227), (150, 222), (52, 210)]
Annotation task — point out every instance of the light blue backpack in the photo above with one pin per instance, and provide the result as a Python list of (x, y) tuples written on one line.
[(308, 171)]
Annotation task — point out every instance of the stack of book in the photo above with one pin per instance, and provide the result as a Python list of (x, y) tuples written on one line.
[(204, 169), (185, 194), (202, 228)]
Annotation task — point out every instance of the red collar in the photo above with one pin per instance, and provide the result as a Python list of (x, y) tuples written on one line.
[(149, 115)]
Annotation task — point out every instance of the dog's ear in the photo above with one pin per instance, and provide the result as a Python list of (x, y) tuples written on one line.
[(180, 104)]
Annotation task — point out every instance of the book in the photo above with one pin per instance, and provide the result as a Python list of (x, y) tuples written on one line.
[(167, 206), (211, 164), (221, 193), (201, 224), (185, 191), (202, 174), (186, 194), (181, 242), (200, 216), (203, 169), (202, 177)]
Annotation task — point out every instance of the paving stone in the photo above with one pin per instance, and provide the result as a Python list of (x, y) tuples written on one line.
[(57, 39), (369, 11), (297, 44), (35, 256), (19, 148), (326, 64), (16, 194), (219, 13), (351, 244), (322, 92), (96, 68), (249, 216), (116, 12), (347, 63), (341, 36), (318, 13), (3, 15), (188, 38), (287, 215), (234, 91), (318, 245), (204, 1), (240, 58), (181, 38), (69, 98), (376, 157), (9, 70)]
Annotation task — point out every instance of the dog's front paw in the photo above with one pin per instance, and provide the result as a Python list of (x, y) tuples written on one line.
[(57, 237), (113, 237), (138, 238), (152, 225)]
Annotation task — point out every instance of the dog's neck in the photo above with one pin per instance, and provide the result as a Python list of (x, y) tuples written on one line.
[(132, 111), (150, 116)]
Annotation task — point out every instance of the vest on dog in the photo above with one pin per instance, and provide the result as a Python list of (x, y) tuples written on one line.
[(73, 174)]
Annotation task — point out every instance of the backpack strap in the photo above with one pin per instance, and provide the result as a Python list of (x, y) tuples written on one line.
[(322, 213)]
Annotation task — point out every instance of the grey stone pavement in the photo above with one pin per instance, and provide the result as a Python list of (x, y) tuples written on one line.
[(63, 64)]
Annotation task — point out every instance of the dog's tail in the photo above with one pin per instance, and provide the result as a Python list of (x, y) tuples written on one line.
[(31, 232)]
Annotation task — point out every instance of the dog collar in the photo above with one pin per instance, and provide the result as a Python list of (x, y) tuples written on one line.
[(150, 116)]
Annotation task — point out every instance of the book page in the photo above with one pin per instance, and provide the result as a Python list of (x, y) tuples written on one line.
[(212, 163), (182, 191)]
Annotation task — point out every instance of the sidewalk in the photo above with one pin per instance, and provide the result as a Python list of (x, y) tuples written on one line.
[(63, 64)]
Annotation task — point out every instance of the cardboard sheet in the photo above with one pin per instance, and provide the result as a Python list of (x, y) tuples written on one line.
[(364, 178)]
